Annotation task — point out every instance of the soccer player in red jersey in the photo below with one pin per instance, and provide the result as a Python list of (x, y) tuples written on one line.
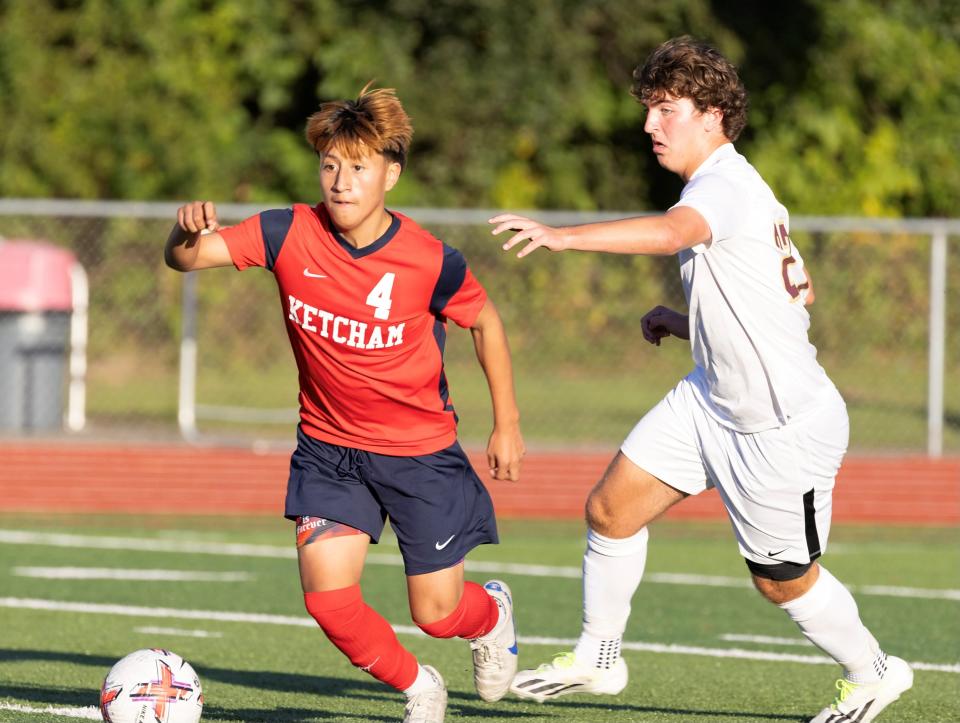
[(365, 294)]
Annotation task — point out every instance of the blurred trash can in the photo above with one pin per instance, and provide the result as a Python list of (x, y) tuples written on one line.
[(35, 308)]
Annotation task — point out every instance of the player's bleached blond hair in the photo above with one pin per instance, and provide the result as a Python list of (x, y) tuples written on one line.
[(687, 68), (373, 123)]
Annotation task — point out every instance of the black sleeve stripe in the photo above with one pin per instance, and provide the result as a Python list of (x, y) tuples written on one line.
[(274, 225), (452, 273)]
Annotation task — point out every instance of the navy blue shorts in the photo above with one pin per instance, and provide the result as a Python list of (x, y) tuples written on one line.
[(437, 505)]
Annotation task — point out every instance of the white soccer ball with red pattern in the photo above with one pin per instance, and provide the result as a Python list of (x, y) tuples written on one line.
[(151, 686)]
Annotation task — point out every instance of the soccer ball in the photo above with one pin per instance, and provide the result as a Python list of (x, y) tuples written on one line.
[(151, 686)]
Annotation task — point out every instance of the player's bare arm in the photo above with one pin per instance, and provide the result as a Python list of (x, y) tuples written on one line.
[(194, 242), (810, 297), (659, 235), (505, 449), (661, 322)]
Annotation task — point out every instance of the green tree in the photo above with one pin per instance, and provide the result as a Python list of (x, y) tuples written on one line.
[(854, 102), (871, 128)]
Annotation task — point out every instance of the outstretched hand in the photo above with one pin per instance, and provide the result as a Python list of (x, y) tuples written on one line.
[(535, 233), (661, 322)]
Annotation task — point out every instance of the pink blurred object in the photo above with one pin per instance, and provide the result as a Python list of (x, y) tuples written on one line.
[(35, 276)]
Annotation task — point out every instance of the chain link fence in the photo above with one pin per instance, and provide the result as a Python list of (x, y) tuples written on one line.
[(881, 322)]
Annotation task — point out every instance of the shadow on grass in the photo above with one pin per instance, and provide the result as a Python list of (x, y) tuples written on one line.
[(250, 679), (47, 695), (291, 715), (586, 712), (463, 705)]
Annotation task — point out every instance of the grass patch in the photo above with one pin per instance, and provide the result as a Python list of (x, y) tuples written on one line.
[(285, 673)]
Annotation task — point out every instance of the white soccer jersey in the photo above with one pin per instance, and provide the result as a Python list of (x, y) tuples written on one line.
[(755, 367)]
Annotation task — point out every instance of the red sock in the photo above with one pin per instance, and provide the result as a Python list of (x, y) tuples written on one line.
[(362, 634), (476, 615)]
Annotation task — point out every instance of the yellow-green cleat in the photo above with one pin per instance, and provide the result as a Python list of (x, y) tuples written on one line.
[(862, 702), (565, 675)]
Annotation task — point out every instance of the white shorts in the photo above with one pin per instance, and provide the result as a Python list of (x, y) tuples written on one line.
[(776, 484)]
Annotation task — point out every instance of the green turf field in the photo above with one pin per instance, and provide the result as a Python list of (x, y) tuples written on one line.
[(703, 646)]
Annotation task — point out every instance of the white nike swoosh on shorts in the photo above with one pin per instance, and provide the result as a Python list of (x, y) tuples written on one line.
[(440, 547)]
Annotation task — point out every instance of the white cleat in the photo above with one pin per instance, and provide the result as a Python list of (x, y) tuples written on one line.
[(428, 706), (495, 654), (862, 702), (564, 675)]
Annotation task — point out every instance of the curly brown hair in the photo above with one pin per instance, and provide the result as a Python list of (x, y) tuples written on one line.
[(374, 122), (687, 68)]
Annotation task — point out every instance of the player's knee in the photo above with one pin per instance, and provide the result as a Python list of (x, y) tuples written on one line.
[(333, 609), (433, 620), (436, 616), (433, 603), (599, 513), (781, 582)]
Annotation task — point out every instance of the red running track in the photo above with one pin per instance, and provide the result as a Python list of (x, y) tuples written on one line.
[(80, 477)]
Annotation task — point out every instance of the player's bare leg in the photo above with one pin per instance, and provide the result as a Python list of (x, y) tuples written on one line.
[(435, 595), (446, 606), (626, 499), (618, 510), (827, 615), (330, 555)]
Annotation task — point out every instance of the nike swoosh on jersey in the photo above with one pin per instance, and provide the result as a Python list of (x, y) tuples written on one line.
[(441, 546), (306, 272)]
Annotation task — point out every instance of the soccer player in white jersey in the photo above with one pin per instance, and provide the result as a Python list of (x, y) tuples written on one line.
[(757, 418)]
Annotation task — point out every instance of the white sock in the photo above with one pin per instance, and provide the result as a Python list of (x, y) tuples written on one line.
[(612, 569), (827, 614), (425, 681)]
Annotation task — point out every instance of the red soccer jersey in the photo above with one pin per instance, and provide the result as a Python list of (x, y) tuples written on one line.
[(367, 325)]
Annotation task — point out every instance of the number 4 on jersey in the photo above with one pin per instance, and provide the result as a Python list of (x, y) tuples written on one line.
[(379, 297)]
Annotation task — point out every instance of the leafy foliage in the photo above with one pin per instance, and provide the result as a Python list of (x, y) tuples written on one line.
[(515, 104)]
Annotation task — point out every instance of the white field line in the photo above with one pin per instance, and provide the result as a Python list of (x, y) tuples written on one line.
[(88, 713), (153, 630), (765, 640), (731, 653), (155, 612), (109, 573), (914, 592), (53, 539), (307, 622), (21, 537)]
